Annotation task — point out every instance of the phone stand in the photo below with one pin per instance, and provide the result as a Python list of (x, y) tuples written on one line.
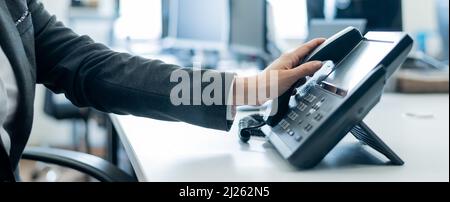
[(363, 133)]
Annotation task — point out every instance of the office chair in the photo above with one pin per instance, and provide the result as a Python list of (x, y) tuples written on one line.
[(63, 109), (88, 164)]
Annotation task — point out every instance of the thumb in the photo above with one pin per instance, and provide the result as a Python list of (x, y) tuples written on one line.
[(306, 69)]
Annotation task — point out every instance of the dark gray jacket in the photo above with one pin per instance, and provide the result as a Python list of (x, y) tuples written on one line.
[(42, 50)]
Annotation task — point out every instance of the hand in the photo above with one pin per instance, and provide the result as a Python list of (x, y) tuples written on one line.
[(285, 72)]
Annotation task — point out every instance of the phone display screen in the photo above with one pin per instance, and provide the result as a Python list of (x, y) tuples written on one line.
[(352, 69)]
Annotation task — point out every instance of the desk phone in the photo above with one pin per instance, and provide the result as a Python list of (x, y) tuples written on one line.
[(304, 127)]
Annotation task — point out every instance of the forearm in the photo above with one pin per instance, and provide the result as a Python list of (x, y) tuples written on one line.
[(91, 75)]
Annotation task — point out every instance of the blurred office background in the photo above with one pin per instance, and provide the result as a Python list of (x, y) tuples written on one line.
[(231, 35)]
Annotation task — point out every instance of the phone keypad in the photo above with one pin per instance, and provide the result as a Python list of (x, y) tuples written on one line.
[(305, 118)]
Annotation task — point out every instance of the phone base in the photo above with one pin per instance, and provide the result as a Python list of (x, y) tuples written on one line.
[(363, 133)]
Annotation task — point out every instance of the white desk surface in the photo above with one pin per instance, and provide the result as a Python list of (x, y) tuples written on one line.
[(416, 127)]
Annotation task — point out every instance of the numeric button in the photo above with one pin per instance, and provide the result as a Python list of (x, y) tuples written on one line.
[(302, 106), (284, 124), (293, 116), (291, 133), (317, 106), (308, 127), (310, 98), (318, 117)]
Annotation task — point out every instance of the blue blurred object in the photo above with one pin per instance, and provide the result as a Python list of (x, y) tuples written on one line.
[(421, 41), (443, 15)]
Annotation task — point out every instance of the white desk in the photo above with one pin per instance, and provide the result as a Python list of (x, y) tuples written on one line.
[(164, 151)]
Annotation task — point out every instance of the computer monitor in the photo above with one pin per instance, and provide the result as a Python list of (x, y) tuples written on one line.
[(381, 15), (198, 24), (248, 26), (320, 28)]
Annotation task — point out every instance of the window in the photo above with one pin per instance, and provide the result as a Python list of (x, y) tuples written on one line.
[(290, 18), (139, 19)]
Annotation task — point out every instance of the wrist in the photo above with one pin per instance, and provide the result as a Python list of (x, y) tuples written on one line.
[(246, 91), (239, 91)]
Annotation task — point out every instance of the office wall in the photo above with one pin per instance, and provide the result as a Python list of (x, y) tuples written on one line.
[(58, 8), (419, 16)]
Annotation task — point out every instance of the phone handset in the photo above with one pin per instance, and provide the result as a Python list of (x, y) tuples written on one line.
[(333, 50)]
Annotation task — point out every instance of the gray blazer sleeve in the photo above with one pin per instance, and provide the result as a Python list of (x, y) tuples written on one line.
[(91, 75)]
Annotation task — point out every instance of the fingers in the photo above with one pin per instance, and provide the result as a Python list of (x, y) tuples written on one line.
[(307, 48), (306, 69)]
